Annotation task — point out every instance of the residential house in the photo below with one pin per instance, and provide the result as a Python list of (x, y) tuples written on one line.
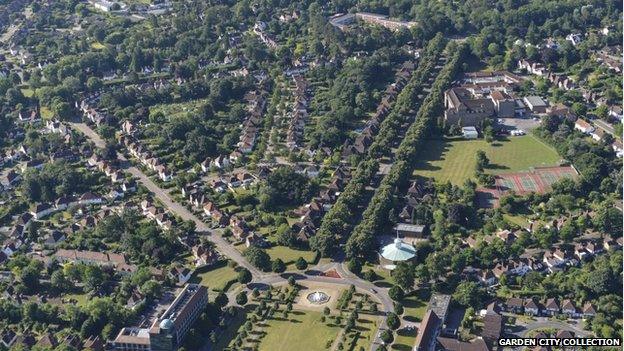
[(90, 198), (180, 275), (514, 305), (42, 210), (569, 309), (583, 126), (531, 307), (588, 310), (204, 255), (551, 307)]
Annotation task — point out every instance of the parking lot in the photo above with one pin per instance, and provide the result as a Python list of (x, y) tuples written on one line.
[(525, 124)]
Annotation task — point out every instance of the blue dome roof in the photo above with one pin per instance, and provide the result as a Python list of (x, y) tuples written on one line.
[(398, 251), (166, 324)]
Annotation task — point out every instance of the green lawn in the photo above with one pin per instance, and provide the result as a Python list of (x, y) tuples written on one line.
[(404, 340), (301, 331), (415, 307), (454, 159), (289, 255), (367, 326), (216, 279)]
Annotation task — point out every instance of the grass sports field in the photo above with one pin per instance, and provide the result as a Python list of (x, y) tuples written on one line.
[(302, 331), (454, 159)]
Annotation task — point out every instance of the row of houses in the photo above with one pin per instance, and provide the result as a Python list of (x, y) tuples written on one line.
[(310, 215), (146, 157), (561, 81), (90, 113), (116, 175), (597, 134), (256, 102), (259, 29), (157, 214), (299, 114), (551, 261), (550, 307), (365, 139), (10, 339)]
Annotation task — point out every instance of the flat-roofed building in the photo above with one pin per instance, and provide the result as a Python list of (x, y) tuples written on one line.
[(536, 104), (169, 329)]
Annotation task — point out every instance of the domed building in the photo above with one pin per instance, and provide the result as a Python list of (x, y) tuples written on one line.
[(396, 252)]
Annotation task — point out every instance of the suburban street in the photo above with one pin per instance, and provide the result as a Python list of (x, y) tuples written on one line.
[(223, 246), (259, 278)]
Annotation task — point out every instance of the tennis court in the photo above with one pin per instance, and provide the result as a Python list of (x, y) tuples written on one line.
[(538, 180)]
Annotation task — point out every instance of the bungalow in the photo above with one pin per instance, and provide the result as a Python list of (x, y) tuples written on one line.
[(487, 278), (65, 202), (594, 248), (25, 219), (239, 228), (36, 164), (128, 186), (507, 236), (164, 174), (255, 240), (54, 238), (115, 193), (244, 178), (235, 156), (205, 165), (233, 182), (221, 161)]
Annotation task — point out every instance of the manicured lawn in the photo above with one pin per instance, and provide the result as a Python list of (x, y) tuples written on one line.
[(404, 340), (214, 278), (367, 326), (415, 307), (302, 331), (289, 255), (454, 159)]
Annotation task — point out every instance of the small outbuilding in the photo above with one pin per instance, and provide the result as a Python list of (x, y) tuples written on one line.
[(470, 133)]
